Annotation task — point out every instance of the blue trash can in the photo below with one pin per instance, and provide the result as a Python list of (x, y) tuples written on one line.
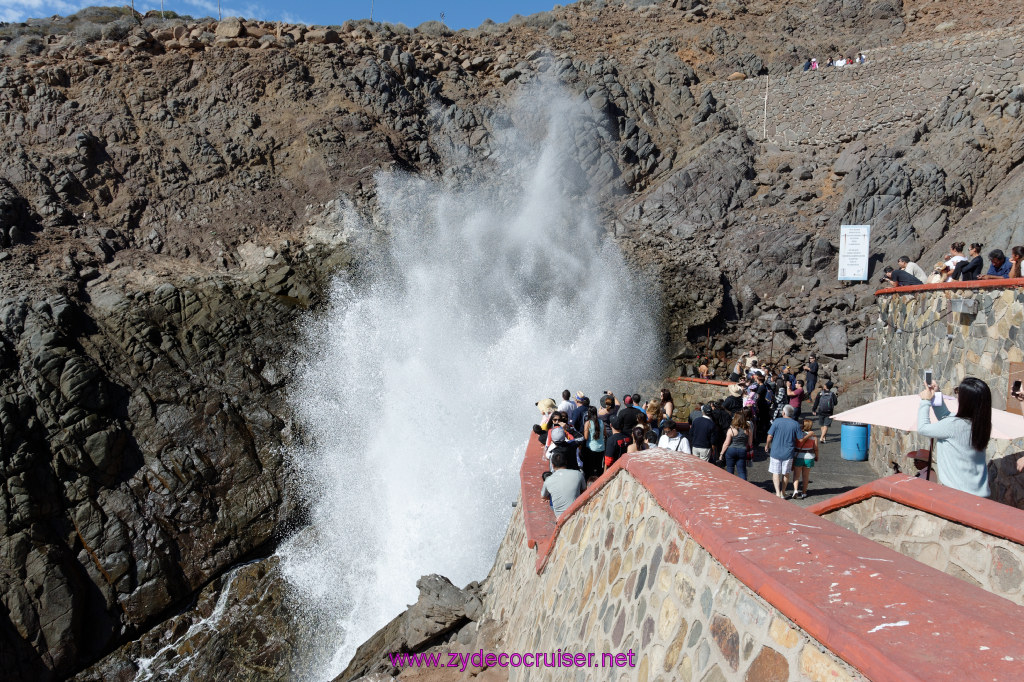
[(854, 442)]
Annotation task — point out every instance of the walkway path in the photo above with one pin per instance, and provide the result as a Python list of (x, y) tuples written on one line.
[(830, 476)]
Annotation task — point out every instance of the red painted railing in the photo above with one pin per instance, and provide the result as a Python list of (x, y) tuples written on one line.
[(1015, 283), (989, 517)]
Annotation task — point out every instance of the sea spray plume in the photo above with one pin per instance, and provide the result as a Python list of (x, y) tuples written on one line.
[(416, 389)]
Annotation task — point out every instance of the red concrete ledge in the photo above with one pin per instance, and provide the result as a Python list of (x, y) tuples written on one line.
[(989, 517), (538, 516), (694, 380), (1015, 283), (887, 615)]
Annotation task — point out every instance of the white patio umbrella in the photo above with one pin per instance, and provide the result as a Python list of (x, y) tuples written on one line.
[(900, 412)]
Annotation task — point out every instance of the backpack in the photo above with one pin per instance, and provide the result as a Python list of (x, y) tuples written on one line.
[(826, 402)]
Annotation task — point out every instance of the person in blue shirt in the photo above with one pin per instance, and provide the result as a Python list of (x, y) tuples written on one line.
[(1000, 265), (781, 445)]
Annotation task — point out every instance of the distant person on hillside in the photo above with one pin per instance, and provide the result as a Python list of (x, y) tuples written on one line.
[(861, 58), (900, 277), (563, 486), (737, 439), (1016, 254), (673, 439), (814, 65), (804, 458), (825, 406), (807, 64), (999, 266), (781, 444), (960, 441), (969, 270), (703, 371)]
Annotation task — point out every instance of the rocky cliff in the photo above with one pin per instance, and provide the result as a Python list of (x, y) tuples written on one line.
[(169, 204)]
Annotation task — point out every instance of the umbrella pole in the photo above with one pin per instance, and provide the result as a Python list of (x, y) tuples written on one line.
[(928, 469)]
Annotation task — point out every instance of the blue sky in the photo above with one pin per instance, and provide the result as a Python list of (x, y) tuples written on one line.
[(457, 13)]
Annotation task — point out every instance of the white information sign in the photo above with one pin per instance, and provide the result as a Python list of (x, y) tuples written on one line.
[(854, 252)]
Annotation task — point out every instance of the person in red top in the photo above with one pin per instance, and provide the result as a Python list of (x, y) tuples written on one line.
[(796, 396)]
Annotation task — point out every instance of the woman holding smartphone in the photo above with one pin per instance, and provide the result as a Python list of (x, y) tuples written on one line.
[(961, 440)]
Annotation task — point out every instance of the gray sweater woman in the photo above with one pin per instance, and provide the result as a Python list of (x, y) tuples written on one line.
[(959, 465)]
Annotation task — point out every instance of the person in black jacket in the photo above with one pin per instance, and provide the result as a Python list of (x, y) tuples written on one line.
[(734, 403), (702, 435), (968, 270)]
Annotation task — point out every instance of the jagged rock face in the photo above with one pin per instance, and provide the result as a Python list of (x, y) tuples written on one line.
[(142, 442), (241, 628), (164, 219)]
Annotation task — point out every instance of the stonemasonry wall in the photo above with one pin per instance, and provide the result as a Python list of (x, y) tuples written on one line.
[(623, 577), (895, 87), (921, 332), (992, 563), (688, 392)]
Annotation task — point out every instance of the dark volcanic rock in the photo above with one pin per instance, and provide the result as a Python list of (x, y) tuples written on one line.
[(440, 610)]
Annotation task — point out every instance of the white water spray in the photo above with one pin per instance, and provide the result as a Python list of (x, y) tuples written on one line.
[(418, 388)]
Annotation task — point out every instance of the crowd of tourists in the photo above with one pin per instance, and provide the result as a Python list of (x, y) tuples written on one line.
[(837, 61), (956, 266), (764, 407), (581, 441)]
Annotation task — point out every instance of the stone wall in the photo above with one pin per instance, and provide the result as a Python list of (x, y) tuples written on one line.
[(688, 392), (626, 577), (896, 87), (984, 560), (921, 332)]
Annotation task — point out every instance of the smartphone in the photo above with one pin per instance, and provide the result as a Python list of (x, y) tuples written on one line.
[(1016, 387), (928, 377)]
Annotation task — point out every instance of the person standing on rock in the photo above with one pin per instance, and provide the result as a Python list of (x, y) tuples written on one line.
[(563, 486), (781, 444), (811, 376)]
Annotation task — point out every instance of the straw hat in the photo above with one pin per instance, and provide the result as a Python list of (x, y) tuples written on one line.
[(735, 390), (546, 405)]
